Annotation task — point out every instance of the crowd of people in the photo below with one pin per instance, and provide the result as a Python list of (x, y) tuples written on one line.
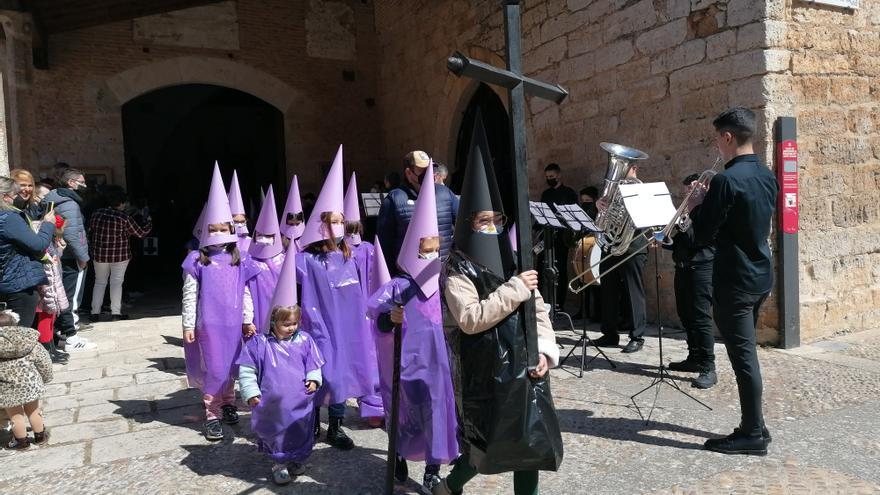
[(303, 312)]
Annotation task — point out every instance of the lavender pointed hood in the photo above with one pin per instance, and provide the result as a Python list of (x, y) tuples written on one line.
[(216, 211), (267, 224), (329, 200), (292, 206), (426, 273)]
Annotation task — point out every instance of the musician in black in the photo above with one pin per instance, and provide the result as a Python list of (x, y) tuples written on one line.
[(735, 217), (623, 290), (560, 194), (693, 302)]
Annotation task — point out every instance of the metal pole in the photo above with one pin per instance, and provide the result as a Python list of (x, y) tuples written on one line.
[(395, 412), (789, 298)]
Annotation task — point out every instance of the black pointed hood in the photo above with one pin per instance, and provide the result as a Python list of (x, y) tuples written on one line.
[(479, 192)]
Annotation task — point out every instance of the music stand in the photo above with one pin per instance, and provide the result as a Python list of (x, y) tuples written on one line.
[(578, 220), (545, 216), (649, 205), (372, 203)]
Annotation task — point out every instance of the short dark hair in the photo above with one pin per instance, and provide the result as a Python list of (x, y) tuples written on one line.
[(115, 196), (690, 178), (69, 175), (590, 191), (738, 121), (553, 167)]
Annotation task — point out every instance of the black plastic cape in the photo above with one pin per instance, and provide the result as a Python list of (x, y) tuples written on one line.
[(507, 420)]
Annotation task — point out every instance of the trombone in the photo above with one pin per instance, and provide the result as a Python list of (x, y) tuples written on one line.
[(651, 237)]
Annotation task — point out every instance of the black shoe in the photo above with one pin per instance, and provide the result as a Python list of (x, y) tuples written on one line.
[(707, 379), (765, 434), (317, 423), (607, 341), (213, 430), (230, 415), (688, 365), (401, 470), (118, 317), (59, 357), (634, 345), (336, 437), (738, 443)]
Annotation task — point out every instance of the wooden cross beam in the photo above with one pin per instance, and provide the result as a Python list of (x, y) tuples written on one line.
[(517, 86)]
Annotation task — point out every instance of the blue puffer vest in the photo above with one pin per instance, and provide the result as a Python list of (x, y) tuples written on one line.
[(18, 270), (404, 204)]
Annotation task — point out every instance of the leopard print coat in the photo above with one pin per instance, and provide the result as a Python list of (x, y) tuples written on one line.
[(25, 366)]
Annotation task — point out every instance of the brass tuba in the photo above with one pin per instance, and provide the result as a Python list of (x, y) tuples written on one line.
[(616, 226)]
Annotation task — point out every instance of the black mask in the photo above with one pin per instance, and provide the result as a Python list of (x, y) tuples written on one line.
[(552, 182)]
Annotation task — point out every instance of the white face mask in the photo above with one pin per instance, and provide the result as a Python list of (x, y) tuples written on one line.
[(214, 234), (490, 229), (337, 231), (354, 239), (239, 225), (265, 240), (216, 248), (433, 255)]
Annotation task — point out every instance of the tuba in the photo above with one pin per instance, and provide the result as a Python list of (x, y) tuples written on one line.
[(616, 226)]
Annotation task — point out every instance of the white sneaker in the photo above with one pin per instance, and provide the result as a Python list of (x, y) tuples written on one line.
[(75, 343)]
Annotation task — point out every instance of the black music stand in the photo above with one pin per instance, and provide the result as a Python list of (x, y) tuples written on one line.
[(649, 205), (372, 203), (577, 219), (544, 216)]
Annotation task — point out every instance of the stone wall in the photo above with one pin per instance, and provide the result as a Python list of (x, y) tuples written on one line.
[(77, 102), (650, 74), (832, 88)]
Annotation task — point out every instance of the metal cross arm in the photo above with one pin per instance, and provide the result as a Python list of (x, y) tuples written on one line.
[(461, 65)]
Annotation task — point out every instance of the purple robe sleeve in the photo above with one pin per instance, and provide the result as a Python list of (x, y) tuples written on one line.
[(395, 293), (252, 352), (190, 264), (312, 359)]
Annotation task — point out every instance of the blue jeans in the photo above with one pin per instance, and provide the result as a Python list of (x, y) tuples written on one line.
[(337, 410)]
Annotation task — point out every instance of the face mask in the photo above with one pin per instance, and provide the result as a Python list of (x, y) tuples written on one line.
[(265, 241), (216, 248), (552, 182), (337, 231), (433, 255), (490, 229), (213, 234), (239, 225), (354, 239)]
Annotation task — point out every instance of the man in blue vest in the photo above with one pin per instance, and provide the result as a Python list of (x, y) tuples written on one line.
[(397, 209)]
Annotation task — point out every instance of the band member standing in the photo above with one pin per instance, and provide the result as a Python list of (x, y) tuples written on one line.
[(560, 194), (693, 302), (735, 217), (623, 291)]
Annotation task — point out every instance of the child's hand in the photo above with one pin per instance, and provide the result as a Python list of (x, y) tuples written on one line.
[(542, 367), (311, 386), (248, 330), (189, 335), (530, 279), (254, 401), (397, 315)]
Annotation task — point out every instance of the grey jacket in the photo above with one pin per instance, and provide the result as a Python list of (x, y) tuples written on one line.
[(68, 204)]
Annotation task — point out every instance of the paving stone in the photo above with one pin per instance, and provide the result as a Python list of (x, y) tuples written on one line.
[(153, 377), (143, 443), (151, 390), (70, 401), (110, 410), (55, 389), (59, 417), (78, 375), (101, 384), (49, 459), (193, 414), (86, 431)]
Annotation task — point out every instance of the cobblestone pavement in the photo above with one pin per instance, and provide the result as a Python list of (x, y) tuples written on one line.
[(122, 420)]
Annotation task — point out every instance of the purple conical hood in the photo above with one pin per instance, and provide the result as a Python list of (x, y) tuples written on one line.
[(329, 200), (426, 273), (352, 205), (379, 275), (216, 211), (293, 206), (267, 224), (285, 291), (236, 205)]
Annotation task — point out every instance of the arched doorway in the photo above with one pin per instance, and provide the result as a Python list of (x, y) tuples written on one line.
[(497, 125), (172, 137)]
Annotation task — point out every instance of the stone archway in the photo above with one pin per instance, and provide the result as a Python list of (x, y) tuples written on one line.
[(458, 93), (142, 79)]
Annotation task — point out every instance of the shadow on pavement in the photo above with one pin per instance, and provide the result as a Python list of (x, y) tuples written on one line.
[(628, 429)]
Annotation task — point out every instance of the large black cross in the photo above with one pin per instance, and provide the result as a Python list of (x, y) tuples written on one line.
[(517, 86)]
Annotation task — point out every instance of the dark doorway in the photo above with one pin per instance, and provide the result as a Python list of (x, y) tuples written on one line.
[(497, 125), (172, 138)]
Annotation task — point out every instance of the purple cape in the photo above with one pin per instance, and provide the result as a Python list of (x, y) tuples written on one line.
[(210, 360), (363, 253), (244, 243), (284, 420), (262, 288), (428, 425), (333, 309)]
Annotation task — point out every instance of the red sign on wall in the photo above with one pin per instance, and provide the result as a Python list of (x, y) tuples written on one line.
[(787, 174)]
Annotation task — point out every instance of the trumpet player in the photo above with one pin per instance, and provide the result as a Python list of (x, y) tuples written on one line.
[(735, 217), (623, 291), (693, 301)]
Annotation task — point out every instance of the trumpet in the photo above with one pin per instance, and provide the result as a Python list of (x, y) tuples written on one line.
[(650, 237)]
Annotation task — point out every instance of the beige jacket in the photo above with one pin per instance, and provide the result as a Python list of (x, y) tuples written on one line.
[(474, 315)]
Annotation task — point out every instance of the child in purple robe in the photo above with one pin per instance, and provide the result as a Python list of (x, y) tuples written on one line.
[(239, 216), (427, 422), (268, 254), (279, 373), (217, 311), (292, 219)]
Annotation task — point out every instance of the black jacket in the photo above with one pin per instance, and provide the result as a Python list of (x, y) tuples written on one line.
[(735, 217)]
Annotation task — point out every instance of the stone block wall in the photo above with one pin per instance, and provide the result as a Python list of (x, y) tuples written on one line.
[(831, 86), (77, 113), (650, 74)]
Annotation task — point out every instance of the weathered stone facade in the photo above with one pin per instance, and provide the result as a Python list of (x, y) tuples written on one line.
[(651, 74)]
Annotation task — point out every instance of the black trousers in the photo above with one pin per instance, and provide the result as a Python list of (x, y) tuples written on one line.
[(24, 304), (736, 314), (74, 286), (693, 302), (623, 297)]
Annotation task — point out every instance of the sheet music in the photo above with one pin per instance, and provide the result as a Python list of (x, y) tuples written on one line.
[(648, 204), (544, 214), (576, 218), (372, 203)]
